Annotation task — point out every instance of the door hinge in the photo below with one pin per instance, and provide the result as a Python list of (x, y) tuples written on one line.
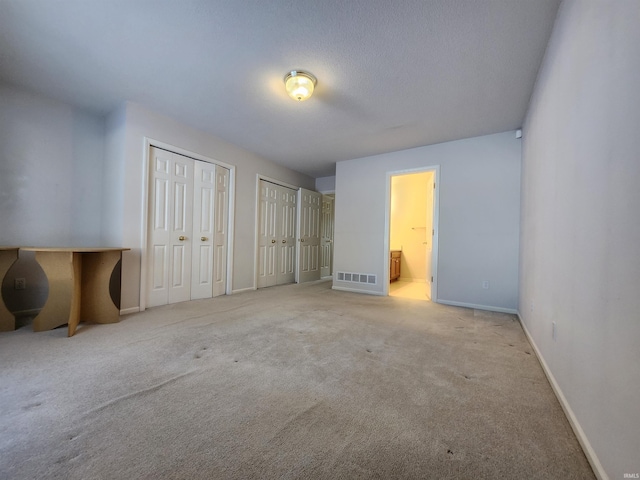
[(433, 232), (431, 279), (434, 185)]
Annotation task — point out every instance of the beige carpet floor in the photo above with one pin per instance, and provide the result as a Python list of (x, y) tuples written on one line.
[(289, 382)]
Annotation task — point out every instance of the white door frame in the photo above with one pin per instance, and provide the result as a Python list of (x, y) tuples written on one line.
[(148, 143), (436, 218), (256, 253)]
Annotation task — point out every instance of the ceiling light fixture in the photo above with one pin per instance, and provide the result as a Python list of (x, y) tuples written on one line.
[(299, 84)]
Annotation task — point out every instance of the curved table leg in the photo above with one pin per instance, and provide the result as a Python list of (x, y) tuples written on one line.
[(97, 305), (78, 288), (7, 258), (63, 271)]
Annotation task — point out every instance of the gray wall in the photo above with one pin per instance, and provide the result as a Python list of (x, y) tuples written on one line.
[(126, 131), (51, 158), (326, 184), (580, 238), (50, 171), (479, 218)]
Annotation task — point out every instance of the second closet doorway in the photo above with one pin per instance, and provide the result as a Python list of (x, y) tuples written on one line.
[(288, 234), (276, 234)]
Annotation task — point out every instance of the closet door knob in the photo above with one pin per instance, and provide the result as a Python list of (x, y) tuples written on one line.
[(273, 241), (182, 238), (284, 241), (204, 239)]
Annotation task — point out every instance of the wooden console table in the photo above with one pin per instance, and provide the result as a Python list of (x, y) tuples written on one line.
[(8, 255), (79, 286)]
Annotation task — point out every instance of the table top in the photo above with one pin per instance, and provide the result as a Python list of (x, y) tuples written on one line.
[(75, 249)]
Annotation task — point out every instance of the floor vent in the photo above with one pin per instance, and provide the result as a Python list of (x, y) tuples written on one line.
[(357, 278)]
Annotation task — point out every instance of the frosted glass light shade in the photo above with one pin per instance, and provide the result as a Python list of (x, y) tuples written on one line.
[(299, 85)]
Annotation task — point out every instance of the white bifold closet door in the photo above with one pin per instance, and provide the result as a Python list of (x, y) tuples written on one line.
[(326, 236), (188, 220), (309, 236), (276, 234), (220, 231), (209, 253)]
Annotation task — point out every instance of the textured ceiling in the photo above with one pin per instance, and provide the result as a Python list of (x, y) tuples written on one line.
[(391, 74)]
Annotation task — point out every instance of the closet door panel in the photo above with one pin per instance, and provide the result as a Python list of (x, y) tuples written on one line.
[(159, 226), (170, 227), (180, 239), (326, 237), (204, 184), (309, 252), (220, 231), (286, 240), (267, 247)]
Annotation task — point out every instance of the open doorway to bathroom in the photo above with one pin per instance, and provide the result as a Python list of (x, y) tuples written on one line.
[(413, 234)]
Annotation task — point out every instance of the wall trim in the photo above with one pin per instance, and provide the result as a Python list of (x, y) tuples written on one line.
[(127, 311), (488, 308), (240, 290), (598, 470), (355, 290)]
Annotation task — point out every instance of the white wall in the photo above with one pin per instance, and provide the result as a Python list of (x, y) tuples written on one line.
[(50, 184), (50, 171), (580, 250), (127, 211), (479, 217), (326, 184), (113, 172)]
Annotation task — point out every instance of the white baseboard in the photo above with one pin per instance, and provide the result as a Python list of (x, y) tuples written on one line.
[(355, 290), (127, 311), (240, 290), (477, 307), (36, 311), (573, 421)]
